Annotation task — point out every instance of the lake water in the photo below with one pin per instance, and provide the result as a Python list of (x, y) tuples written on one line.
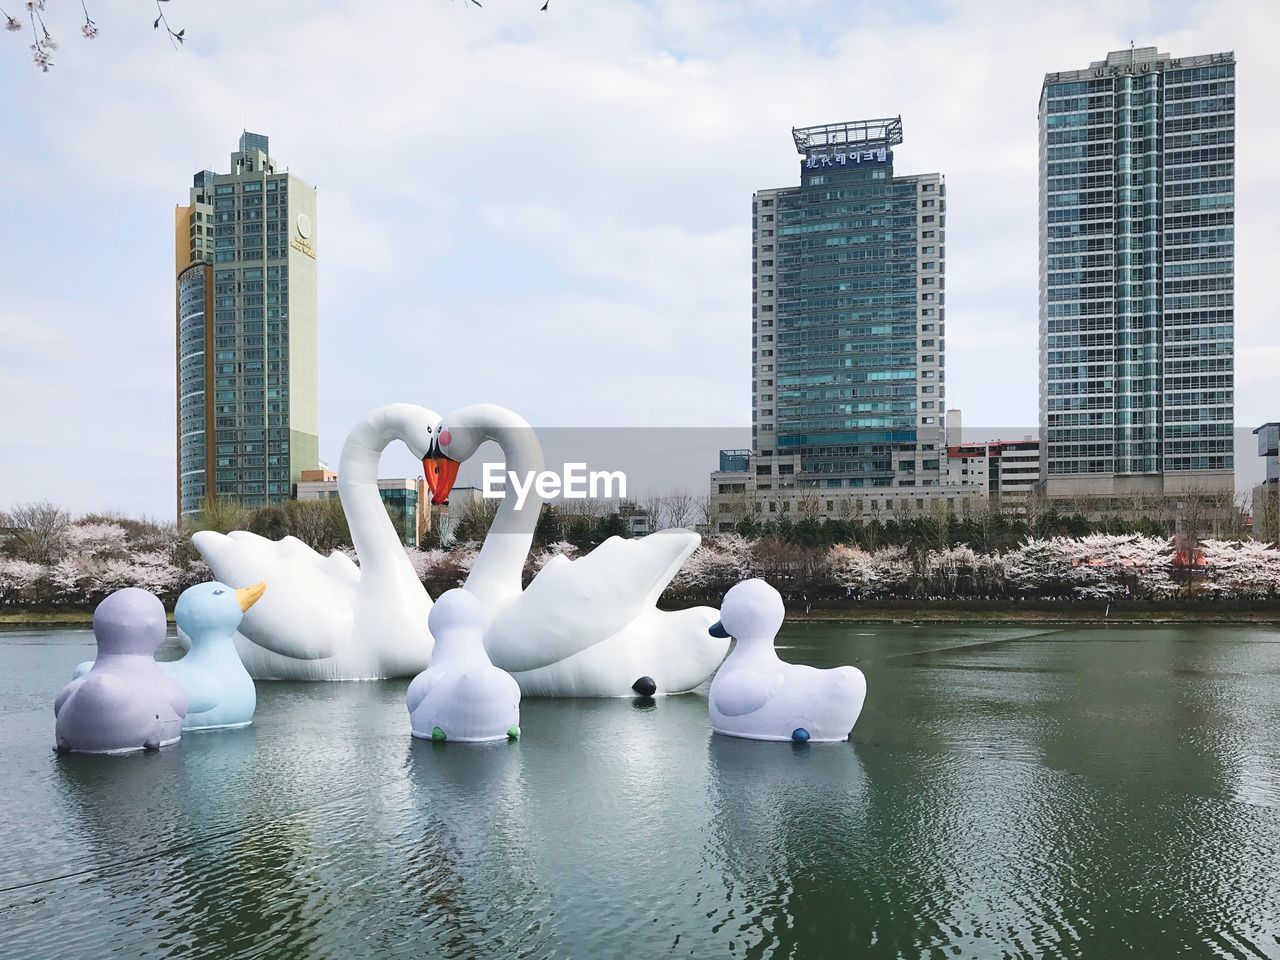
[(1009, 792)]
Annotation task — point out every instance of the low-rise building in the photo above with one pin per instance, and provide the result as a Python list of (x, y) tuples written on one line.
[(1013, 473), (968, 465), (445, 517), (1266, 495), (405, 499), (1007, 469), (639, 522), (741, 492)]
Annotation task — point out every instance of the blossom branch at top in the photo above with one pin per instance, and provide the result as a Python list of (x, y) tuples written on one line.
[(174, 38), (43, 43), (545, 4)]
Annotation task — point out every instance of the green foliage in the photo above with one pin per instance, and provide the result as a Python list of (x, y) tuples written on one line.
[(268, 522), (550, 528), (222, 514), (320, 524), (477, 517), (580, 531), (611, 525)]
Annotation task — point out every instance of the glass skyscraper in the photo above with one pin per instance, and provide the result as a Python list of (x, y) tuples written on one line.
[(1137, 230), (245, 252), (848, 317)]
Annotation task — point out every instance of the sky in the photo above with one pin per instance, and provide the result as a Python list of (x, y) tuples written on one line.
[(546, 210)]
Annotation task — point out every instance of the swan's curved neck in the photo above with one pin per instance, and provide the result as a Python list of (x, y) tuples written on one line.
[(496, 576), (372, 532)]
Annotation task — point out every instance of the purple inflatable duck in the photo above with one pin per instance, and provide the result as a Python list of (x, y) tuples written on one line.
[(126, 702)]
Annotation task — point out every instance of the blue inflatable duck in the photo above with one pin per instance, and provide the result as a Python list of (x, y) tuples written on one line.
[(220, 692), (124, 701), (219, 688)]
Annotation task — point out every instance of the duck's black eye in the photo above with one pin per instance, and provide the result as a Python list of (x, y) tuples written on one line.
[(218, 593)]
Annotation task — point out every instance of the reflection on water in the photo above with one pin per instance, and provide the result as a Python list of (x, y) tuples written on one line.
[(1008, 792), (782, 814)]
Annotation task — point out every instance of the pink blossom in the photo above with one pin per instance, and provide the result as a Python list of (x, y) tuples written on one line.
[(18, 575)]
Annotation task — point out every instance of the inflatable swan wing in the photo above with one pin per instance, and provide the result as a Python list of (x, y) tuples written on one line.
[(307, 612), (590, 627), (574, 604)]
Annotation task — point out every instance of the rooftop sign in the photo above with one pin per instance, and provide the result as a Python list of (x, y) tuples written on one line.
[(846, 158)]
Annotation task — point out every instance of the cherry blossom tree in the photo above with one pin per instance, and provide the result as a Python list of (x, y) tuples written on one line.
[(561, 548), (717, 564), (865, 573), (17, 577)]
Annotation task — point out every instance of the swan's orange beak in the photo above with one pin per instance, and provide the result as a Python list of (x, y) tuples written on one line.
[(441, 472)]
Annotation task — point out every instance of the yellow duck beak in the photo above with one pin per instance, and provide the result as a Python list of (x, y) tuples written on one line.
[(248, 596)]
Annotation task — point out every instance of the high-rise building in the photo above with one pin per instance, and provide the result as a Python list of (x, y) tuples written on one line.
[(245, 251), (1137, 226), (848, 327)]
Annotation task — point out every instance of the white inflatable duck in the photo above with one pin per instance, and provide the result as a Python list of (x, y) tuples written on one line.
[(462, 695), (757, 696)]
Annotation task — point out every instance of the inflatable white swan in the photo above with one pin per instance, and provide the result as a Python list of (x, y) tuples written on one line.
[(583, 628), (586, 628), (757, 696), (324, 618)]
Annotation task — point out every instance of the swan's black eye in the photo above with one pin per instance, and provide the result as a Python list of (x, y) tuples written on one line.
[(218, 593)]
